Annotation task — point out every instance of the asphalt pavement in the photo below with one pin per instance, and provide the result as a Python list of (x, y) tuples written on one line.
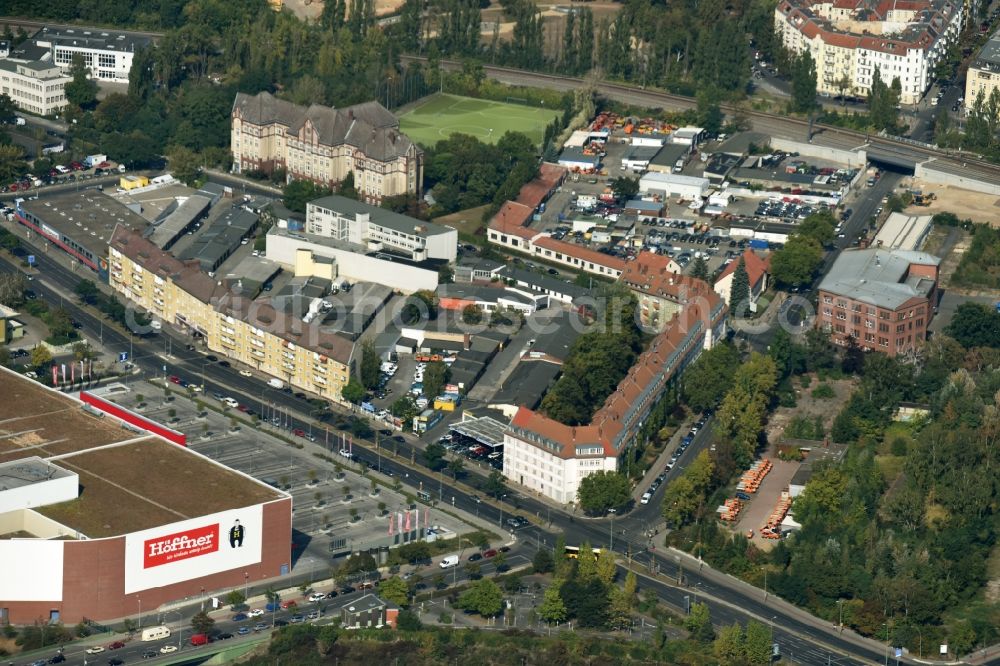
[(729, 598)]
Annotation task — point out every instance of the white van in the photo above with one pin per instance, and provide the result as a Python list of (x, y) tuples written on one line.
[(449, 562), (155, 633), (276, 383), (645, 498), (231, 402)]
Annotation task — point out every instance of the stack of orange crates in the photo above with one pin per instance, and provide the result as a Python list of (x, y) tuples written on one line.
[(772, 529), (730, 510), (752, 478)]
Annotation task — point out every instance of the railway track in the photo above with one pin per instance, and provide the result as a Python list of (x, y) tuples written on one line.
[(666, 99)]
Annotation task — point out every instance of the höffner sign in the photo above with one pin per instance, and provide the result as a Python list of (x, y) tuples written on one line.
[(193, 548)]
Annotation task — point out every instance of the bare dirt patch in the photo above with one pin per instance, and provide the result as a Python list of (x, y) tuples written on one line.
[(64, 429), (976, 206), (809, 407)]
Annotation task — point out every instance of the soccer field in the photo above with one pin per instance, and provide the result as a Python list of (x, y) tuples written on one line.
[(441, 115)]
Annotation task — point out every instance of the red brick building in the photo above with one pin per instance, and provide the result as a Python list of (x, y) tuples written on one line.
[(883, 299)]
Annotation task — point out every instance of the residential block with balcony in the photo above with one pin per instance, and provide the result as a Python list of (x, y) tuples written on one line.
[(254, 332), (849, 39)]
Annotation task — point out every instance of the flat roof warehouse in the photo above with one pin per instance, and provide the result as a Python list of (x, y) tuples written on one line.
[(94, 506), (81, 223)]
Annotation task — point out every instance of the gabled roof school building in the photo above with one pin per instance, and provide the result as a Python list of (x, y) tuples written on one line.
[(324, 145)]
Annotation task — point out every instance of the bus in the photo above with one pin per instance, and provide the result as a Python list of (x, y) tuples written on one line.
[(424, 495), (573, 552)]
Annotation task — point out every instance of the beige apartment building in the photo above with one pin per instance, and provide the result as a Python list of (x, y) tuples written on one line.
[(37, 87), (324, 145), (250, 331), (984, 73)]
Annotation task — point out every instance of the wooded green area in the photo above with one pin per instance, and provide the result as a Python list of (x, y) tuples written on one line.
[(901, 535)]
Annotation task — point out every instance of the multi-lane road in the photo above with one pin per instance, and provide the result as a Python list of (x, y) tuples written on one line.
[(730, 600)]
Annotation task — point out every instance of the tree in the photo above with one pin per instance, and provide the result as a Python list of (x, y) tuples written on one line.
[(739, 291), (82, 351), (353, 391), (421, 306), (699, 623), (61, 324), (542, 561), (12, 164), (586, 600), (472, 315), (586, 562), (395, 590), (185, 164), (625, 188), (8, 110), (434, 456), (40, 356), (552, 609), (346, 188), (882, 102), (457, 467), (484, 597), (758, 644), (436, 375), (235, 598), (606, 566), (820, 226), (202, 623), (371, 365), (495, 484), (404, 407), (730, 645), (407, 620), (803, 83), (619, 613), (603, 490), (12, 286), (975, 325), (298, 193), (796, 263), (709, 377), (699, 269), (87, 291), (81, 90)]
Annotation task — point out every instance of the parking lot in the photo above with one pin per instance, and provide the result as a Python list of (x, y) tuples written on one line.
[(333, 496)]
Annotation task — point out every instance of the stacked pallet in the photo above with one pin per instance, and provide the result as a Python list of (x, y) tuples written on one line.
[(730, 510), (772, 528), (752, 478)]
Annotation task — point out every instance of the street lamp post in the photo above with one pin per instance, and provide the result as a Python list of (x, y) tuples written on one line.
[(140, 612), (501, 508), (840, 625), (246, 586)]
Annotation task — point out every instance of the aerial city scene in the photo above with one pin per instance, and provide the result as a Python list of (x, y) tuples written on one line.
[(499, 332)]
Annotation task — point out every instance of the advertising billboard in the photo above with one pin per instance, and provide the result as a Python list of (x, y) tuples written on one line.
[(193, 548)]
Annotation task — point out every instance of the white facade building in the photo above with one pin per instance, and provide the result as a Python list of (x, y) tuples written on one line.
[(35, 86), (354, 222), (107, 54), (849, 39)]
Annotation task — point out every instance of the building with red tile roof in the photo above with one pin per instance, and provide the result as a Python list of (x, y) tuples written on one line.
[(551, 458), (849, 39), (660, 288), (758, 271), (511, 228)]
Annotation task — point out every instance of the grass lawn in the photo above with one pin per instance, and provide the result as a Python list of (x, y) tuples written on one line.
[(442, 115), (468, 222)]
